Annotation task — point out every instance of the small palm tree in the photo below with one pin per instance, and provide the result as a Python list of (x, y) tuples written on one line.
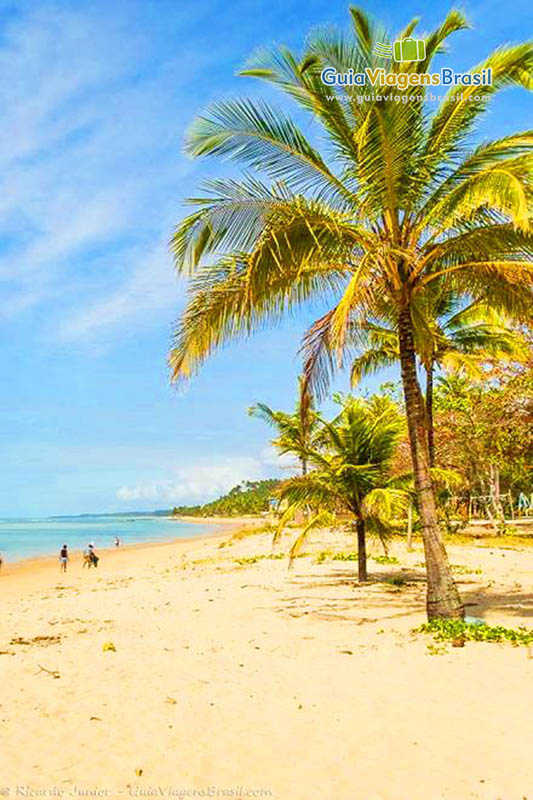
[(455, 339), (351, 473), (294, 431), (399, 200)]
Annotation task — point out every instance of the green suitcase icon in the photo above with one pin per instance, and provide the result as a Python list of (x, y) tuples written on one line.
[(409, 50)]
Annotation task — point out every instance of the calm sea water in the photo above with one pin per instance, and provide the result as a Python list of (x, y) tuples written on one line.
[(25, 538)]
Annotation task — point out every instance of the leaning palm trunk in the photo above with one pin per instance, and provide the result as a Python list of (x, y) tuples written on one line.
[(442, 596), (410, 526), (429, 414)]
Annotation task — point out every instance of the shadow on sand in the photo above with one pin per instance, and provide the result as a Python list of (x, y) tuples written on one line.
[(390, 594)]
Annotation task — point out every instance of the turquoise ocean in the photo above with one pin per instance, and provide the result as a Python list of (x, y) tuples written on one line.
[(27, 538)]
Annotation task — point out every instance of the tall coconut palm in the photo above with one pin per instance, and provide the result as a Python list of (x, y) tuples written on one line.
[(294, 431), (350, 472), (461, 340), (400, 198)]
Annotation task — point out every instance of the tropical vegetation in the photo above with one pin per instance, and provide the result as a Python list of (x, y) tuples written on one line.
[(457, 338), (351, 474), (248, 497), (484, 431), (295, 432), (400, 203), (459, 631)]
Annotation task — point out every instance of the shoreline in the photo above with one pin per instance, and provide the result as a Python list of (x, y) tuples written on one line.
[(228, 523), (75, 555), (42, 571)]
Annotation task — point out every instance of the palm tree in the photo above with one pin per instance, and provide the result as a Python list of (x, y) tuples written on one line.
[(294, 431), (350, 472), (454, 339), (399, 201)]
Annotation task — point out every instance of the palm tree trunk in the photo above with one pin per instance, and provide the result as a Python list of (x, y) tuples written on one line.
[(361, 550), (303, 464), (443, 599), (410, 526), (429, 414)]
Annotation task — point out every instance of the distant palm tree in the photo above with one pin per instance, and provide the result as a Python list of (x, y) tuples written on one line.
[(294, 431), (399, 200), (351, 473), (456, 339)]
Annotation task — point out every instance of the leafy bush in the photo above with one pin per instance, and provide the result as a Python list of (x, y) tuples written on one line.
[(462, 570), (459, 569), (326, 555), (254, 559), (444, 629), (385, 559)]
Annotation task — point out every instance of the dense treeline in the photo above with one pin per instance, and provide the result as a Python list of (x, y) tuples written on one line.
[(483, 428), (249, 497)]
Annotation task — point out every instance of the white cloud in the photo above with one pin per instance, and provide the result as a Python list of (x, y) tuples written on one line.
[(196, 481), (205, 480)]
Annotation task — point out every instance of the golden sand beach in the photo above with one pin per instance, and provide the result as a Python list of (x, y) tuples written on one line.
[(229, 676)]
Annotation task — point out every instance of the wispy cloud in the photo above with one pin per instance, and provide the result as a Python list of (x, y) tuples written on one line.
[(195, 481), (150, 287), (89, 166), (204, 480)]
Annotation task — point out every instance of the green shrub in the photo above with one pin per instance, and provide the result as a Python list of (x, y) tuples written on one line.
[(444, 629), (254, 559), (385, 559)]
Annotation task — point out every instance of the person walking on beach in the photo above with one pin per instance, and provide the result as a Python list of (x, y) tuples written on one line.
[(117, 541), (63, 558), (92, 555)]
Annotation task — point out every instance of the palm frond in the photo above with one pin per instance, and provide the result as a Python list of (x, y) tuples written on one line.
[(373, 360), (385, 506), (309, 490), (448, 478), (511, 66), (226, 303), (287, 516), (320, 520), (266, 139), (301, 80), (506, 188)]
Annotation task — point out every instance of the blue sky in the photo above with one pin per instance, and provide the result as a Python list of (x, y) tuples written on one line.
[(95, 98)]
